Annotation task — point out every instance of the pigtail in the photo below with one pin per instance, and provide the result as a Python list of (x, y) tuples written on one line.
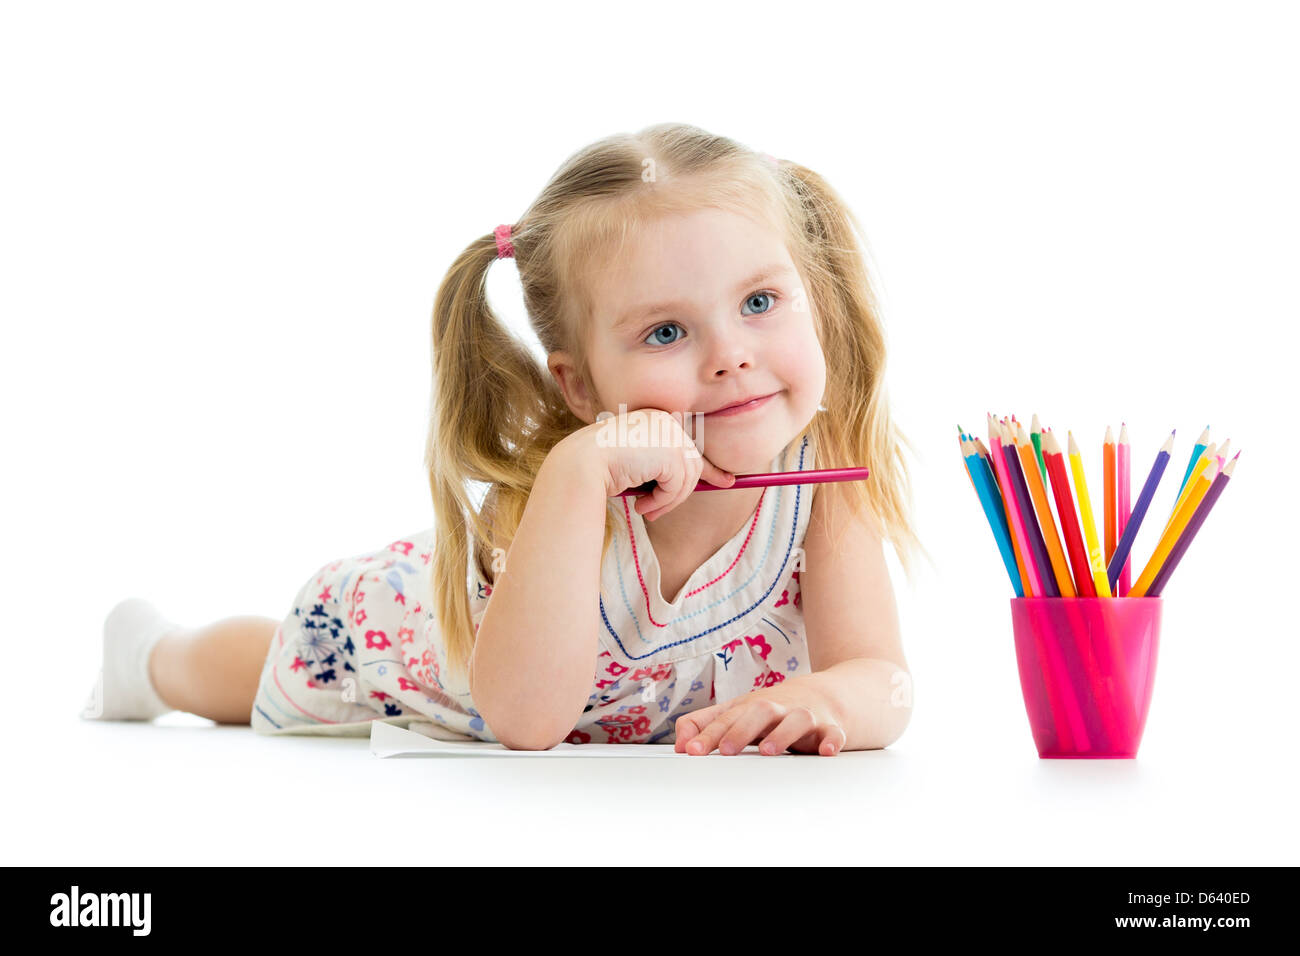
[(857, 426), (495, 414)]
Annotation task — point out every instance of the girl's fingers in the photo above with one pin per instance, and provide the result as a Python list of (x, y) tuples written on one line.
[(689, 725), (833, 741), (668, 488), (737, 727), (677, 485), (715, 475), (754, 722), (797, 726), (825, 741), (707, 739)]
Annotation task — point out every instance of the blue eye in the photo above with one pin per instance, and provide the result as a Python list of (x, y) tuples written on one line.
[(658, 341), (757, 296), (762, 295)]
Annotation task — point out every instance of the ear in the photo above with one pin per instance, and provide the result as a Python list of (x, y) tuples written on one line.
[(565, 372)]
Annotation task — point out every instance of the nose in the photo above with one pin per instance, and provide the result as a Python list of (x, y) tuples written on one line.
[(730, 352)]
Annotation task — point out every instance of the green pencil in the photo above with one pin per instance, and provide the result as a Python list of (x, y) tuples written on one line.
[(1036, 439)]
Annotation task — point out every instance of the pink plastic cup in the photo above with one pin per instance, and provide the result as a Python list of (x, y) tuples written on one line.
[(1087, 666)]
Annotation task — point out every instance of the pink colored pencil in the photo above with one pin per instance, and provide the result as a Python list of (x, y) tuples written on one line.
[(1013, 511), (1125, 505), (766, 479)]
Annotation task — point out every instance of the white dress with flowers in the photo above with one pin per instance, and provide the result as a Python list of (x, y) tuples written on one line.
[(361, 643)]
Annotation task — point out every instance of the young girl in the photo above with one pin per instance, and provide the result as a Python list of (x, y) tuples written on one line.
[(684, 288)]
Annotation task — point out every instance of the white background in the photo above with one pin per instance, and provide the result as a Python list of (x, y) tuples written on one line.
[(221, 229)]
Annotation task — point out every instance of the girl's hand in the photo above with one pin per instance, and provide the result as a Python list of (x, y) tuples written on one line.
[(669, 458), (781, 716)]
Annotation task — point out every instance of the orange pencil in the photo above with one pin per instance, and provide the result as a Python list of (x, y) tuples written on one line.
[(1060, 570)]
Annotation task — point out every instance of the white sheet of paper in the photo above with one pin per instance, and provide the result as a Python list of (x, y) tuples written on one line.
[(419, 741)]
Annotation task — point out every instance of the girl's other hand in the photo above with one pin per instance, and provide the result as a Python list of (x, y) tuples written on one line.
[(668, 456), (786, 715)]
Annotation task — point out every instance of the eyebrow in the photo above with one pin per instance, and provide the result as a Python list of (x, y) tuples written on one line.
[(643, 312)]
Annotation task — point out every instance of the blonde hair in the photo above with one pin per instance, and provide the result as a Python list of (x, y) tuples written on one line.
[(497, 412)]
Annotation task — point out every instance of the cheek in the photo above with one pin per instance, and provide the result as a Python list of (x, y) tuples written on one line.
[(804, 367), (643, 385)]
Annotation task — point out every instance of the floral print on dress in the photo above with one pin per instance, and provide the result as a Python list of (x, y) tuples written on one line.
[(360, 642)]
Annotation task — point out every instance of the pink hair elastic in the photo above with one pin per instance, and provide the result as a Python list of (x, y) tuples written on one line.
[(505, 248)]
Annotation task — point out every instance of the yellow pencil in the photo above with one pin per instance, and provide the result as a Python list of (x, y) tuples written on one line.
[(1207, 455), (1095, 562), (1046, 521), (1202, 483)]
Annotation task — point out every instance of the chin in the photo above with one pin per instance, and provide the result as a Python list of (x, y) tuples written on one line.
[(748, 451)]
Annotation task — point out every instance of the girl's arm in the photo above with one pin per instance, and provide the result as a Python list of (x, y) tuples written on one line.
[(531, 669), (851, 619)]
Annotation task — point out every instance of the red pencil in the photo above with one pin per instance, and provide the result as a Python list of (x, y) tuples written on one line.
[(1065, 511)]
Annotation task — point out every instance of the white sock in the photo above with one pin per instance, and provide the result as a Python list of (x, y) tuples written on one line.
[(124, 690)]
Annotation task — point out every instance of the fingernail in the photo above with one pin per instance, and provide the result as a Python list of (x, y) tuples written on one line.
[(727, 749)]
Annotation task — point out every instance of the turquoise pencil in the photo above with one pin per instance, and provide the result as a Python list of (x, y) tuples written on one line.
[(1201, 444)]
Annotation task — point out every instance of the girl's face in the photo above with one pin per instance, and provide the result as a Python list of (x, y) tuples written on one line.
[(705, 310)]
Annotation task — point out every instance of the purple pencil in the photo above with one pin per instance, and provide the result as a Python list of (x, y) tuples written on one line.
[(1193, 526), (1029, 516), (1139, 511)]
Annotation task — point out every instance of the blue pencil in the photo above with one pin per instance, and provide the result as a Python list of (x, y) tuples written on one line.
[(1139, 511), (991, 500)]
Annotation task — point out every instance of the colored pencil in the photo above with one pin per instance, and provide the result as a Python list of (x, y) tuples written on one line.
[(1036, 436), (1206, 455), (1124, 466), (1069, 520), (1033, 588), (992, 477), (1198, 486), (991, 501), (1035, 499), (1185, 539), (1140, 509), (1035, 554), (961, 442), (1191, 464), (1108, 502), (1095, 563), (813, 476), (1046, 521)]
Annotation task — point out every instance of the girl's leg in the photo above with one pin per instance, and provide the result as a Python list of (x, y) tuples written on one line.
[(213, 671)]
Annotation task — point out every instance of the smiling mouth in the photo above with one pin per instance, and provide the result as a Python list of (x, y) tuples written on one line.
[(742, 409)]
